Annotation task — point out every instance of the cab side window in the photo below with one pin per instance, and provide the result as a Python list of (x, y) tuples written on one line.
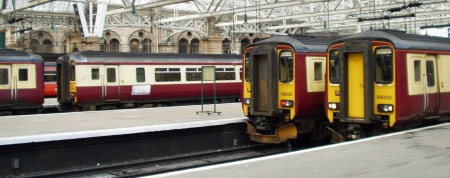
[(384, 73), (286, 65)]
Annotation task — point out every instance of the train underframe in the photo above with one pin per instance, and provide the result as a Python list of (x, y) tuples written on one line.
[(278, 130)]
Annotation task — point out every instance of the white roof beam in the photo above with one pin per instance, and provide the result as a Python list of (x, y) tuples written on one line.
[(145, 6)]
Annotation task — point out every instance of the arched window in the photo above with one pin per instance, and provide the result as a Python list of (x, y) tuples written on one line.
[(47, 46), (256, 40), (195, 46), (114, 45), (134, 45), (244, 43), (182, 45), (226, 46), (34, 46), (147, 46)]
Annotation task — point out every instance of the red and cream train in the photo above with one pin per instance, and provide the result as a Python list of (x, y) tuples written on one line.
[(21, 82), (96, 80), (89, 80)]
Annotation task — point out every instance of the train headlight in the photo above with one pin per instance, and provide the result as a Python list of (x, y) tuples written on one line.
[(247, 101), (287, 103), (333, 106), (73, 94), (385, 108)]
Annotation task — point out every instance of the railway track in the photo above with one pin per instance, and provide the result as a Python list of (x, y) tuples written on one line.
[(152, 167)]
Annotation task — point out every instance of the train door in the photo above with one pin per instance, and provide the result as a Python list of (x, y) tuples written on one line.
[(443, 82), (111, 83), (431, 90), (6, 90), (355, 80), (264, 81), (23, 78)]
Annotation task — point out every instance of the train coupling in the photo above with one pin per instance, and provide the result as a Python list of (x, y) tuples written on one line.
[(282, 134), (336, 137)]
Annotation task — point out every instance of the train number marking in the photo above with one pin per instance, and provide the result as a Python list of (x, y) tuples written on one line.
[(384, 97), (286, 94)]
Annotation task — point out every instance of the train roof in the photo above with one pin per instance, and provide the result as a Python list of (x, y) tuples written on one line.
[(300, 43), (402, 40), (19, 56), (95, 56)]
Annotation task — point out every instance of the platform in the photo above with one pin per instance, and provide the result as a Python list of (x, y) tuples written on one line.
[(74, 125), (417, 153)]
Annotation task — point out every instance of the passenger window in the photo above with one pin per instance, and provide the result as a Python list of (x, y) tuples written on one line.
[(247, 67), (193, 74), (111, 75), (167, 74), (225, 74), (95, 74), (417, 71), (23, 74), (318, 71), (383, 65), (286, 63), (140, 74), (335, 69), (430, 73), (4, 77)]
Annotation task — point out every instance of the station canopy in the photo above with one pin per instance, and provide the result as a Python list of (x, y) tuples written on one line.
[(236, 16)]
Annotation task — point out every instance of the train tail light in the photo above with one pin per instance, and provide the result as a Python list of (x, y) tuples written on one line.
[(334, 106), (73, 94), (247, 101), (287, 103), (385, 107)]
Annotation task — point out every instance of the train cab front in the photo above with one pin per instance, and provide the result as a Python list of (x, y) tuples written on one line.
[(361, 89), (268, 93), (66, 86)]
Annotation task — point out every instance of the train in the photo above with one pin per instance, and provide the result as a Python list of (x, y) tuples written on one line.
[(386, 80), (348, 88), (90, 80), (21, 82), (49, 79), (283, 88)]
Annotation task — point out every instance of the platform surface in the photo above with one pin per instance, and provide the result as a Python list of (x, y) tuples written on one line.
[(414, 154), (61, 126)]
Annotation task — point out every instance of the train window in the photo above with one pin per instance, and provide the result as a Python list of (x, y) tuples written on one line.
[(140, 74), (95, 74), (4, 76), (247, 67), (167, 74), (225, 74), (23, 74), (286, 64), (383, 65), (50, 77), (72, 72), (430, 73), (417, 71), (111, 75), (193, 74), (335, 70), (318, 71)]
